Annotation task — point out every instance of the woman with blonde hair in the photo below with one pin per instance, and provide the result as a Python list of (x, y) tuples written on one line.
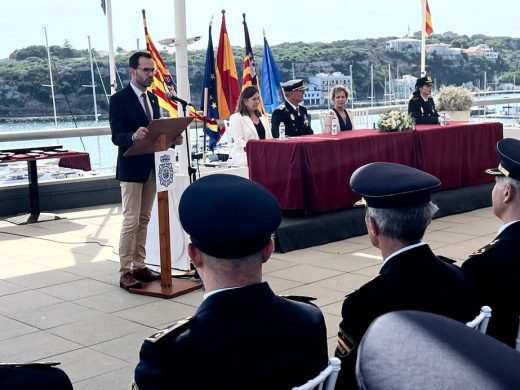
[(338, 97), (247, 123)]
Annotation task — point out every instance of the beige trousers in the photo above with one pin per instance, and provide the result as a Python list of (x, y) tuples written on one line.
[(137, 199)]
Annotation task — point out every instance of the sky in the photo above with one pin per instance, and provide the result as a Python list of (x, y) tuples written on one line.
[(22, 21)]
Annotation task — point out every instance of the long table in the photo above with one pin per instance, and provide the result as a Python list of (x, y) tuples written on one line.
[(312, 173)]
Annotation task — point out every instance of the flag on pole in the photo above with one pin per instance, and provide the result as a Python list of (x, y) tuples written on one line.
[(271, 80), (162, 79), (209, 101), (104, 7), (428, 26), (228, 90), (249, 75)]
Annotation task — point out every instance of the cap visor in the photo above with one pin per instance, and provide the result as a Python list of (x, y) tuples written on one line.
[(494, 172)]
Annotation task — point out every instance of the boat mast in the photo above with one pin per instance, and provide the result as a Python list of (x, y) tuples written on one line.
[(93, 82), (111, 57), (351, 88), (50, 76), (372, 85)]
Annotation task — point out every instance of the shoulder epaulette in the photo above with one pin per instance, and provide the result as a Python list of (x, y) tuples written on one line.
[(299, 298), (176, 328), (281, 106), (486, 248), (353, 293), (446, 259)]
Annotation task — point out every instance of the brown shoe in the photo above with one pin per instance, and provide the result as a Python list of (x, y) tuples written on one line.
[(127, 281), (146, 275)]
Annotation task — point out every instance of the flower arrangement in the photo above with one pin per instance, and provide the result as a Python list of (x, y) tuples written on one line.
[(453, 98), (395, 121)]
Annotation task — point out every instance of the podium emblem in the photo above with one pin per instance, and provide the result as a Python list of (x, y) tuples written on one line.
[(165, 171)]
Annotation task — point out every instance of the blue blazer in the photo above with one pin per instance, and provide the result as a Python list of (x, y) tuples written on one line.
[(126, 115)]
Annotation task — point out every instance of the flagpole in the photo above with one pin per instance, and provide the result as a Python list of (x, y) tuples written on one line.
[(205, 116), (50, 76), (423, 38), (181, 68), (111, 57)]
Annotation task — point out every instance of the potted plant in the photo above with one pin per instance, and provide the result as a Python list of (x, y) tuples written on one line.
[(455, 101)]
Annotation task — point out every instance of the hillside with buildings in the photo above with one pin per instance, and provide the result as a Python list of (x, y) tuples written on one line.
[(476, 61)]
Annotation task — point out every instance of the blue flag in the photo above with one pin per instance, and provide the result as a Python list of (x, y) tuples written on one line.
[(210, 84), (103, 6), (270, 81)]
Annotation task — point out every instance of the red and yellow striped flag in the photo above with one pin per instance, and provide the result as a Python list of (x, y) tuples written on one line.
[(228, 90), (428, 26)]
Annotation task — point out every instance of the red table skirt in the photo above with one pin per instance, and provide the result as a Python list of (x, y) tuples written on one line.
[(312, 173)]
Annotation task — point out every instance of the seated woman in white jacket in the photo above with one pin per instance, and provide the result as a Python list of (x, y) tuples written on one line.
[(338, 97), (247, 123)]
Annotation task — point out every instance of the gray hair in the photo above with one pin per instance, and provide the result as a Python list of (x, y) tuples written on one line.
[(504, 180), (405, 224)]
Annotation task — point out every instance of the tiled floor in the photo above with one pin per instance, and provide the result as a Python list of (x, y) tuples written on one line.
[(60, 299)]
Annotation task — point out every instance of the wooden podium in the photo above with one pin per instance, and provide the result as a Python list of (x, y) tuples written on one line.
[(162, 132)]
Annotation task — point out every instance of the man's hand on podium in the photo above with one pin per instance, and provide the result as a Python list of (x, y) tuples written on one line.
[(177, 140), (140, 133)]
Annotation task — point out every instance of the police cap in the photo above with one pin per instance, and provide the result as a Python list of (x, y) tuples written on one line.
[(228, 216), (294, 85), (422, 81), (508, 149), (390, 185)]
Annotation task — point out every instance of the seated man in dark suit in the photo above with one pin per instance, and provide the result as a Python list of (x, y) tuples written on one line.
[(290, 112), (412, 277), (242, 336), (494, 270)]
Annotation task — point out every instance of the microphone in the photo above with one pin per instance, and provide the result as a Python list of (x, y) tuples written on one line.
[(174, 97)]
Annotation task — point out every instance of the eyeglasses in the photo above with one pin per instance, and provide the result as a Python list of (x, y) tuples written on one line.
[(147, 70)]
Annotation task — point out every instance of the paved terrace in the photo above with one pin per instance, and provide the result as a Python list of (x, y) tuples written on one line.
[(60, 299)]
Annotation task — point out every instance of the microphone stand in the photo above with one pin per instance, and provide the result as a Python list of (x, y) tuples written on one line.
[(191, 171)]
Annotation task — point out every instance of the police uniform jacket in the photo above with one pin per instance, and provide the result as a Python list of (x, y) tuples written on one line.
[(415, 279), (423, 111), (243, 338), (494, 271), (126, 115), (296, 122)]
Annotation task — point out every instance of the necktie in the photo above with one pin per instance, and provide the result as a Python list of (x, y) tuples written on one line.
[(146, 108)]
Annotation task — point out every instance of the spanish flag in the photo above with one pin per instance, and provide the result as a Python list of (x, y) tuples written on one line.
[(428, 26), (228, 89)]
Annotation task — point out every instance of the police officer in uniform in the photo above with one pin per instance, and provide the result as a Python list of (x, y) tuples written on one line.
[(290, 112), (412, 277), (494, 270), (242, 336), (421, 106)]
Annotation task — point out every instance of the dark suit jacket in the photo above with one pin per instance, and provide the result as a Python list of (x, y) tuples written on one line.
[(244, 338), (494, 271), (413, 280), (33, 376), (424, 112), (296, 122), (126, 115)]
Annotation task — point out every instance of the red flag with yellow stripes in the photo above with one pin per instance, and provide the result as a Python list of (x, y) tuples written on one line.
[(228, 90), (428, 26), (249, 74)]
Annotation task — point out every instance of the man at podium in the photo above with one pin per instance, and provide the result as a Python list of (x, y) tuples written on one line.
[(131, 110)]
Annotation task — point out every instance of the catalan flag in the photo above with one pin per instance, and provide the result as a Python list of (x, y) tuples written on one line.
[(271, 80), (228, 90), (209, 101), (428, 26), (249, 75), (162, 79)]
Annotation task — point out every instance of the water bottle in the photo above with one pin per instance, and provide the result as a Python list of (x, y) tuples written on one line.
[(281, 131), (334, 129)]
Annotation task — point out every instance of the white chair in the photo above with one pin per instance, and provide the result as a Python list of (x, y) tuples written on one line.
[(326, 380), (481, 321), (360, 118)]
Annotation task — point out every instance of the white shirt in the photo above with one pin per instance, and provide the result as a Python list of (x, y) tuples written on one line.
[(503, 227), (138, 92), (208, 294), (406, 248)]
